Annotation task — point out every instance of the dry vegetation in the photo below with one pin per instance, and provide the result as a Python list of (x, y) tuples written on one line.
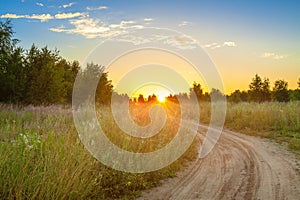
[(42, 157), (279, 121)]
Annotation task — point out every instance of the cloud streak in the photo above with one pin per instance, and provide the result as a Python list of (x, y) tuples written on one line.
[(68, 15), (97, 8), (181, 42), (92, 28), (44, 17), (184, 23), (273, 56), (68, 5), (39, 4), (216, 45), (148, 19), (41, 17)]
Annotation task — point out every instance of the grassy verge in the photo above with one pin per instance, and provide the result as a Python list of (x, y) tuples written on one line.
[(41, 157), (278, 121)]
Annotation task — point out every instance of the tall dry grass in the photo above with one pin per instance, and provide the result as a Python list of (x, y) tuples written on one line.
[(280, 121), (41, 157)]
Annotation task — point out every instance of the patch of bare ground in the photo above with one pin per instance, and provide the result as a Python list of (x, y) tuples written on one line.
[(239, 167)]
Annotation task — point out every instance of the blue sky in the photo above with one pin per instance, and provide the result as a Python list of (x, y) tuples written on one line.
[(241, 37)]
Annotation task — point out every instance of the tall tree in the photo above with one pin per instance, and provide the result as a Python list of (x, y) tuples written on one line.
[(295, 94), (235, 96), (46, 77), (197, 89), (12, 66), (266, 92), (255, 89), (217, 95), (141, 99), (91, 74), (259, 90), (104, 89), (280, 91)]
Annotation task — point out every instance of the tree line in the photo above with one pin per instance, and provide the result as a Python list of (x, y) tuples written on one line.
[(34, 76), (260, 91), (40, 76)]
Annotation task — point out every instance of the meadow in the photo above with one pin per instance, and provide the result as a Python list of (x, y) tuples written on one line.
[(41, 155), (274, 120)]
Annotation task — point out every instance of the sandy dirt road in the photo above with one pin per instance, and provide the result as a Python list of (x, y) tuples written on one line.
[(239, 167)]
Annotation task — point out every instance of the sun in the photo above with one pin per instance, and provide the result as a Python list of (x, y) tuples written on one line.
[(161, 98)]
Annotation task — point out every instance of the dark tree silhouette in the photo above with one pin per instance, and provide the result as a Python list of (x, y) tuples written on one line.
[(235, 96), (217, 95), (280, 91), (196, 88), (266, 92), (152, 98), (141, 99), (259, 90)]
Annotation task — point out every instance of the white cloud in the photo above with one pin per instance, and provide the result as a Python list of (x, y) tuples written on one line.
[(136, 40), (273, 56), (216, 45), (44, 17), (229, 44), (12, 16), (148, 19), (41, 17), (184, 23), (68, 5), (39, 4), (97, 8), (213, 45), (181, 42), (210, 45), (68, 15), (92, 28)]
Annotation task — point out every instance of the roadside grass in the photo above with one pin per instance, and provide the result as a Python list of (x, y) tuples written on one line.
[(277, 121), (41, 157), (274, 120)]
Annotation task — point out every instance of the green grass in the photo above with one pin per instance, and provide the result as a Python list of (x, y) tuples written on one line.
[(273, 120), (41, 157), (278, 121)]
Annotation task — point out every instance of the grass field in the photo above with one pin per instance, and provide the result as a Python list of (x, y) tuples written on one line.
[(279, 121), (41, 155)]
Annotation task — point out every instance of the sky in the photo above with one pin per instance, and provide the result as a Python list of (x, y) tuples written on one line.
[(241, 38)]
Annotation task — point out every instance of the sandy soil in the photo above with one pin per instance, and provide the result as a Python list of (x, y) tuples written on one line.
[(239, 167)]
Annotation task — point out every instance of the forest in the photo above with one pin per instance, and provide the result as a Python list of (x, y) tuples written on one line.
[(40, 76)]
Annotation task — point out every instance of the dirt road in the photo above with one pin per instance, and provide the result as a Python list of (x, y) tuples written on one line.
[(239, 167)]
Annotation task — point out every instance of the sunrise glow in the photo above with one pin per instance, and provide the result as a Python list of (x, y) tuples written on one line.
[(161, 99)]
